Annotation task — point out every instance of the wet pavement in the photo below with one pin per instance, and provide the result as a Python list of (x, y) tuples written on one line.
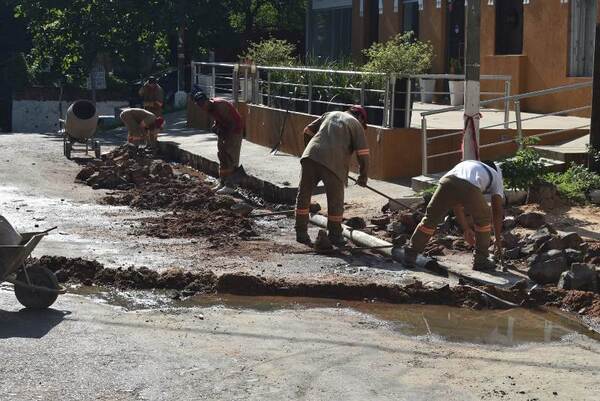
[(495, 327), (274, 349), (103, 344)]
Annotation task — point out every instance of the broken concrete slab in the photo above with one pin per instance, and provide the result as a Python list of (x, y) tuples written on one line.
[(581, 276), (533, 220)]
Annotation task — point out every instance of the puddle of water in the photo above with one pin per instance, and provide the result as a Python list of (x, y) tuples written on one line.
[(494, 327)]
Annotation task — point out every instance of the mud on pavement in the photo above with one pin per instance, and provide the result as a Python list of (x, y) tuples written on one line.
[(81, 271), (142, 181)]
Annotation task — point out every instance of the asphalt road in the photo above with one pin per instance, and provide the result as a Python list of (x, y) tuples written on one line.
[(38, 191), (82, 350), (86, 350)]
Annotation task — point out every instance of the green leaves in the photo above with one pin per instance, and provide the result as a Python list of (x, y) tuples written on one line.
[(524, 169), (575, 183), (403, 54), (271, 52)]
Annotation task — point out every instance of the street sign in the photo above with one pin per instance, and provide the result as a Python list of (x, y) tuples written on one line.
[(99, 75)]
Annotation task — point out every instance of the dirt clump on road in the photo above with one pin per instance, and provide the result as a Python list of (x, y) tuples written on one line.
[(81, 271), (189, 283), (144, 182)]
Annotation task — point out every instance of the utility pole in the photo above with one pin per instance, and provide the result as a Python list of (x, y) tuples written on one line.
[(472, 85), (595, 120)]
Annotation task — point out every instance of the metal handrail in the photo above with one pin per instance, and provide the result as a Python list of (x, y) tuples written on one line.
[(550, 91), (390, 91), (516, 99)]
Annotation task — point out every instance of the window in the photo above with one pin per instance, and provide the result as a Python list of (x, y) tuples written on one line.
[(410, 16), (330, 32), (583, 25), (509, 27)]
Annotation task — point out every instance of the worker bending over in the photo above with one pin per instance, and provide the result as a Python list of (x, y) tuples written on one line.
[(142, 127), (332, 139), (463, 188), (152, 96), (228, 126)]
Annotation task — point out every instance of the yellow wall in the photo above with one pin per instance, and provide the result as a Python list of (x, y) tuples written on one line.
[(543, 64)]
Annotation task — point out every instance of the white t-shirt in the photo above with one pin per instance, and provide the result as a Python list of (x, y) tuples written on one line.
[(474, 172)]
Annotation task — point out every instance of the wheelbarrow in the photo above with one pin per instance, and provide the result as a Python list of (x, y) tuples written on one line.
[(36, 287)]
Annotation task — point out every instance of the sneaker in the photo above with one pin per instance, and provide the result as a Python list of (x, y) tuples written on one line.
[(484, 264), (304, 238), (338, 241), (225, 190)]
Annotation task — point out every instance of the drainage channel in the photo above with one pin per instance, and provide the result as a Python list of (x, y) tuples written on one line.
[(492, 327)]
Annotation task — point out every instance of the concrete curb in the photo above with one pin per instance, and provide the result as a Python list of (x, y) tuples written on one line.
[(267, 190)]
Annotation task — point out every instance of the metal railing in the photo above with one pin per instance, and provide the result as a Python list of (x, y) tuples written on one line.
[(517, 121), (388, 98)]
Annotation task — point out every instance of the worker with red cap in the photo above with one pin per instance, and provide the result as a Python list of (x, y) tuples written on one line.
[(153, 96), (228, 126), (142, 126), (332, 139)]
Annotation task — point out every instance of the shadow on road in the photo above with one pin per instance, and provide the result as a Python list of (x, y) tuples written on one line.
[(28, 323)]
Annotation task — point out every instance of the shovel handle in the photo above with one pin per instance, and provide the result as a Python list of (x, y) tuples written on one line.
[(385, 196)]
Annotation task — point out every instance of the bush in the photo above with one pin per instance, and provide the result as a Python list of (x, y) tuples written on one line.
[(524, 169), (575, 183), (403, 54), (271, 52)]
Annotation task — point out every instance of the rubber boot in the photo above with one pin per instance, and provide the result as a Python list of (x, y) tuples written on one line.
[(303, 238), (410, 256), (482, 263), (335, 235)]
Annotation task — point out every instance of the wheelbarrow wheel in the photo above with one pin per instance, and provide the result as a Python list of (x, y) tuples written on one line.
[(97, 151), (32, 298), (68, 148)]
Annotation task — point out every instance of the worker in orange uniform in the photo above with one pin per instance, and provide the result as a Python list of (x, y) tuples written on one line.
[(228, 126), (152, 96), (142, 126), (463, 188), (332, 140)]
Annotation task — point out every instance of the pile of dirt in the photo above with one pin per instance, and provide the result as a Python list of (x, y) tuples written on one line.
[(92, 273), (81, 271), (193, 209), (124, 168)]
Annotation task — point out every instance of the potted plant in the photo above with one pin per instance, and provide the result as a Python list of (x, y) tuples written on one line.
[(456, 87), (403, 55)]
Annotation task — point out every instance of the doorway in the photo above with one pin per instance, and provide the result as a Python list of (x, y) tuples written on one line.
[(373, 29), (455, 46)]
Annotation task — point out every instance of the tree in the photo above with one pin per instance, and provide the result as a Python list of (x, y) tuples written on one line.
[(69, 37), (134, 38)]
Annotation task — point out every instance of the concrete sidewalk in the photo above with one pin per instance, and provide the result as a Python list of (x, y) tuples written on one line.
[(493, 117), (273, 176)]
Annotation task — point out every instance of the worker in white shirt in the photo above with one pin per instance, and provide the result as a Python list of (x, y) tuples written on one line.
[(463, 189)]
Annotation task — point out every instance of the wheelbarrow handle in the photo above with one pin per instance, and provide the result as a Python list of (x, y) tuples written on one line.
[(50, 229)]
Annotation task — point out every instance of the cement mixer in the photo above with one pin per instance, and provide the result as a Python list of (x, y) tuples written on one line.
[(80, 127)]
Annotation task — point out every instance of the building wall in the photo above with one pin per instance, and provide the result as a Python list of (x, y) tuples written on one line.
[(390, 22), (395, 153), (359, 33), (543, 64), (545, 59), (41, 116)]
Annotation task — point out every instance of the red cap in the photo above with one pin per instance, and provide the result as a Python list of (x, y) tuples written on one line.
[(160, 122), (357, 108)]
